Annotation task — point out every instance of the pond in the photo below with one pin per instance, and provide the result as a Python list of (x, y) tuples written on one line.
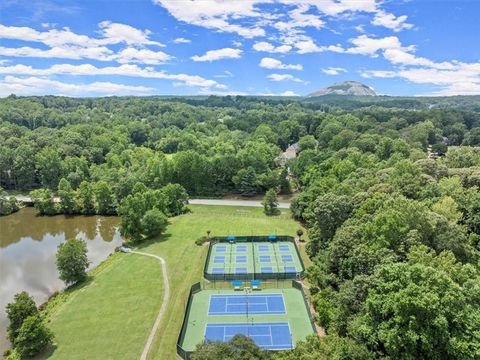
[(28, 244)]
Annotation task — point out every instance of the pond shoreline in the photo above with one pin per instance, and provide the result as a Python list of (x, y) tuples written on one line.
[(27, 253)]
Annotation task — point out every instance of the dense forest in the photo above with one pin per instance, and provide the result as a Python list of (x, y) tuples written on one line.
[(389, 193)]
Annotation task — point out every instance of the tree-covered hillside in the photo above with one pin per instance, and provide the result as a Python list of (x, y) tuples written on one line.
[(388, 189)]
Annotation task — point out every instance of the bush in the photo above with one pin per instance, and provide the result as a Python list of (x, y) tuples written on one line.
[(202, 240), (33, 337), (21, 308), (154, 222)]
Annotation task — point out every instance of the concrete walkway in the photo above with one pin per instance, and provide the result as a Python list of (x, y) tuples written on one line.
[(163, 307)]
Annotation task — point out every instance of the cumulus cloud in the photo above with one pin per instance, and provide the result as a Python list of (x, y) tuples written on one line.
[(114, 33), (40, 86), (215, 14), (142, 56), (267, 47), (365, 45), (283, 77), (459, 79), (181, 40), (111, 33), (214, 55), (100, 53), (333, 70), (122, 70), (390, 21), (65, 44), (289, 93), (270, 63)]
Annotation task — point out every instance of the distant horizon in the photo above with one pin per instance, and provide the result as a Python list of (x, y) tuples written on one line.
[(225, 47)]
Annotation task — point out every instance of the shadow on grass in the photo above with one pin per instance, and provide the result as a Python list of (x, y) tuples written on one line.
[(147, 242), (46, 353)]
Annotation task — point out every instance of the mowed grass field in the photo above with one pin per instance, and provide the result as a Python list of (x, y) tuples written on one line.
[(111, 317)]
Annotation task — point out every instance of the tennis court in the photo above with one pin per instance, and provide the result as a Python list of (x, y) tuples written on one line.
[(246, 304), (275, 318), (253, 259), (271, 336)]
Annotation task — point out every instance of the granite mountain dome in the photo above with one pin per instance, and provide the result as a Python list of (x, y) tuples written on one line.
[(354, 88)]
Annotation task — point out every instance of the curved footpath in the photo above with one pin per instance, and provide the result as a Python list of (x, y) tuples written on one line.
[(166, 296)]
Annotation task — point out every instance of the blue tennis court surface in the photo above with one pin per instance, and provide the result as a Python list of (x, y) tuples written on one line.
[(219, 260), (241, 304), (241, 248), (264, 258), (241, 259), (271, 336), (287, 258), (266, 269), (263, 247), (283, 247), (240, 270), (221, 248), (290, 269)]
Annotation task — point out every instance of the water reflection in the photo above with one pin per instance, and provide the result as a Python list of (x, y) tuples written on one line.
[(28, 244)]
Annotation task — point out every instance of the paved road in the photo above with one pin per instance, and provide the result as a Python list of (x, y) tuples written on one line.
[(163, 307), (28, 199), (225, 202), (221, 202)]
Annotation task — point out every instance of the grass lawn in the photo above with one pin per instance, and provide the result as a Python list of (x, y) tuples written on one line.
[(185, 260), (111, 317)]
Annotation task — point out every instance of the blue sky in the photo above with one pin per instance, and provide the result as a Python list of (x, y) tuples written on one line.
[(267, 47)]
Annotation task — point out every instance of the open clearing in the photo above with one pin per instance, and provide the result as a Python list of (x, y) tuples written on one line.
[(112, 316)]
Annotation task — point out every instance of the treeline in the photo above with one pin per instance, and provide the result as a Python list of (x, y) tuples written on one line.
[(202, 147), (395, 242)]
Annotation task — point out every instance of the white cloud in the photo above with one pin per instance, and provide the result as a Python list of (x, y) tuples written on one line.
[(378, 74), (69, 45), (299, 19), (270, 63), (403, 57), (225, 74), (100, 53), (267, 47), (114, 33), (333, 70), (308, 46), (122, 70), (142, 56), (461, 79), (365, 45), (40, 86), (390, 21), (283, 77), (182, 40), (214, 55), (334, 7), (111, 33), (215, 14), (289, 93)]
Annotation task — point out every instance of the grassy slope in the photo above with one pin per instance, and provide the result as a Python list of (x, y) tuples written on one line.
[(110, 317)]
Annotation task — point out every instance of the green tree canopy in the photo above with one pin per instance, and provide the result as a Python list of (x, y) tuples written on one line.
[(72, 261)]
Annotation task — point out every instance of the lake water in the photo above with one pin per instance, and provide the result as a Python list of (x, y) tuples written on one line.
[(28, 244)]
